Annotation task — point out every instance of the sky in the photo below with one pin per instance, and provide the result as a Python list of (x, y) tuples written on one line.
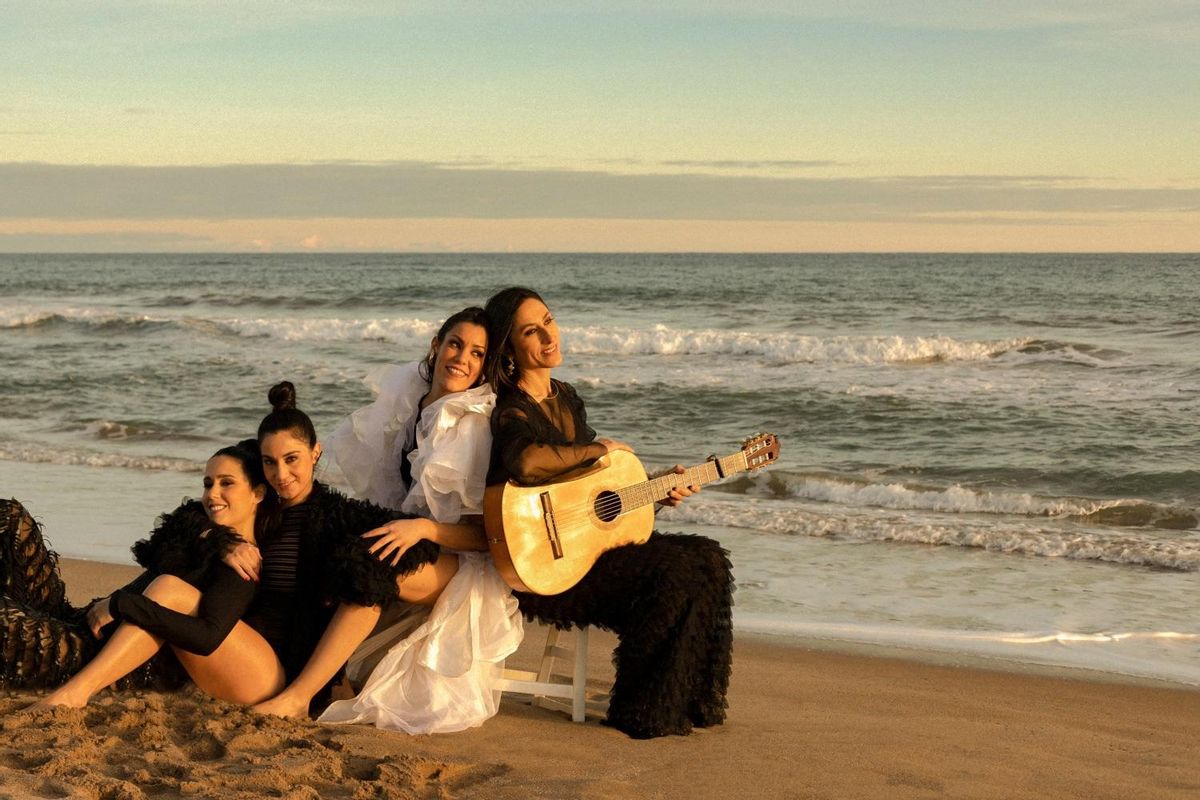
[(179, 125)]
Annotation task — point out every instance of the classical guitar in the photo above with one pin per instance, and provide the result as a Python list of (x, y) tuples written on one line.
[(545, 538)]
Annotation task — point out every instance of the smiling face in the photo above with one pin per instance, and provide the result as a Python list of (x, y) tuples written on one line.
[(458, 362), (289, 462), (534, 338), (229, 498)]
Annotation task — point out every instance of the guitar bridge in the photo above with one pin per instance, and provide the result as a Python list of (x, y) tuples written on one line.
[(551, 527)]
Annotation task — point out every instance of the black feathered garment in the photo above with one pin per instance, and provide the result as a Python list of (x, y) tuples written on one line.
[(669, 599), (45, 640), (333, 567)]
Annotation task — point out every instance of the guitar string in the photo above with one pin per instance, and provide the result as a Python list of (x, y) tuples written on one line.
[(608, 505), (581, 514)]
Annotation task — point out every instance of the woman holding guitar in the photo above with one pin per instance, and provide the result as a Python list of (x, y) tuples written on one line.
[(669, 599)]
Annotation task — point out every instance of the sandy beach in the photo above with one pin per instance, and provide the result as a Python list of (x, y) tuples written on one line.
[(803, 722)]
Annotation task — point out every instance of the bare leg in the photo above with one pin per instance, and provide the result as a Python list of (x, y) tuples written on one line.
[(424, 586), (127, 649), (350, 625), (243, 669)]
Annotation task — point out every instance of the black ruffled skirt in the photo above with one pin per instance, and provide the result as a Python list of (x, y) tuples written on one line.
[(670, 603)]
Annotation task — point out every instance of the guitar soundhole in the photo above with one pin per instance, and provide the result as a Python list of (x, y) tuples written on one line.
[(607, 506)]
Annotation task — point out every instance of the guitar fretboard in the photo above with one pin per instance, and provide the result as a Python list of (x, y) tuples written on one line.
[(655, 489)]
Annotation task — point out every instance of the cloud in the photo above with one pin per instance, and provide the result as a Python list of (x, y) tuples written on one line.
[(98, 242), (425, 190), (751, 165)]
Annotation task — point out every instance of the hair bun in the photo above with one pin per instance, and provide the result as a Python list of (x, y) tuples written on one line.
[(282, 396)]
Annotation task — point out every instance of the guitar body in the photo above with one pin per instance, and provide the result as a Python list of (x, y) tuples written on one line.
[(544, 539)]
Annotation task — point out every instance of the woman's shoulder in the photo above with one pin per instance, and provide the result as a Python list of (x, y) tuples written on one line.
[(563, 388), (396, 379), (449, 410), (334, 509), (325, 497), (397, 388), (567, 394), (184, 541), (187, 519)]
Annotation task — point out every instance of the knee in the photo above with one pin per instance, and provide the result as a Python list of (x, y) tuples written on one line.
[(173, 593), (426, 584)]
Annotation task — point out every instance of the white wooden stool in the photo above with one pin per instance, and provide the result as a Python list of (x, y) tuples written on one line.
[(550, 690)]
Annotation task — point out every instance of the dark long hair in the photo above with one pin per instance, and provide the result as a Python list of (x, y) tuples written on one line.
[(472, 314), (501, 310), (247, 454)]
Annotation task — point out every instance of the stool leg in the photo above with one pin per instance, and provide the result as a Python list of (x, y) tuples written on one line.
[(579, 678)]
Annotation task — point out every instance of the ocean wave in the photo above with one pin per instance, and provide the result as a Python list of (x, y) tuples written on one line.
[(776, 347), (401, 331), (93, 318), (1146, 548), (1074, 352), (41, 454), (145, 431), (786, 347), (855, 492)]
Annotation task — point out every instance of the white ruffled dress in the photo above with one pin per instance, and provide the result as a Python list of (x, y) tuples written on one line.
[(438, 677)]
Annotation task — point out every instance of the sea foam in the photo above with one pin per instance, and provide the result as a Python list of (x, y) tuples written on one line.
[(1149, 548)]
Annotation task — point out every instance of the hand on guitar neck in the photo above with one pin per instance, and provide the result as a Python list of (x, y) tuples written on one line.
[(677, 494)]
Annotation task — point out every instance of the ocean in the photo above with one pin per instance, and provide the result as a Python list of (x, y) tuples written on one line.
[(986, 455)]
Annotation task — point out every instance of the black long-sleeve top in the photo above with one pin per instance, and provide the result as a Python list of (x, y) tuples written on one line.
[(536, 442), (224, 599), (189, 546)]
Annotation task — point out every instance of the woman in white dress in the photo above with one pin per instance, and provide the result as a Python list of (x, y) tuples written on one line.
[(423, 447)]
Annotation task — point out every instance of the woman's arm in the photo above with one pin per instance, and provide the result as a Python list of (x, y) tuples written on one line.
[(222, 604), (528, 459)]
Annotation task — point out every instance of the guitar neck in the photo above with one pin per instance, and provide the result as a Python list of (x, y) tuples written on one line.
[(655, 489)]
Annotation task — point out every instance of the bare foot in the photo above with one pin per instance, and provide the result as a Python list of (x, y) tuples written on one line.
[(58, 699), (283, 705)]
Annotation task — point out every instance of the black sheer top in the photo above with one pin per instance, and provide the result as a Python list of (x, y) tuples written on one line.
[(536, 442)]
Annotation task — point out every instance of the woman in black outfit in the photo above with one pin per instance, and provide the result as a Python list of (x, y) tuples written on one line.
[(320, 589), (669, 599), (186, 598)]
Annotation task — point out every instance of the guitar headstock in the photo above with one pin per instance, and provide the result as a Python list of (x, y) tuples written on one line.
[(761, 450)]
